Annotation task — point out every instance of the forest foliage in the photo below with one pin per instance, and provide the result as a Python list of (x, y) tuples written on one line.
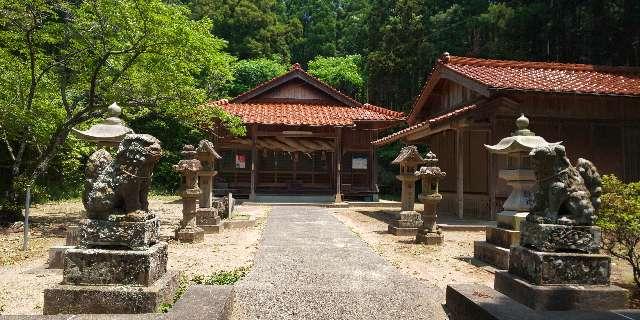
[(63, 62)]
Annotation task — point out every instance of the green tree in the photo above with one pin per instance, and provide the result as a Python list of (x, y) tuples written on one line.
[(619, 219), (253, 28), (343, 73), (318, 19), (67, 61), (250, 73)]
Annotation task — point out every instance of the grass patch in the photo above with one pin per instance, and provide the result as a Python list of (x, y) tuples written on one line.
[(221, 277), (182, 288)]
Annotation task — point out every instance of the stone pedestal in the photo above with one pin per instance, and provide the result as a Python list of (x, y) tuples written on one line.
[(209, 220), (405, 224), (119, 267), (188, 231), (496, 249), (557, 267), (429, 233)]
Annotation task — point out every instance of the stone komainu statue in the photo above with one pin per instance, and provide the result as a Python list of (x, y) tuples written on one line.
[(566, 194), (120, 185)]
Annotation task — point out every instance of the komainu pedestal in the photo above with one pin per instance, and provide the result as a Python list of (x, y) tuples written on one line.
[(557, 265), (119, 265)]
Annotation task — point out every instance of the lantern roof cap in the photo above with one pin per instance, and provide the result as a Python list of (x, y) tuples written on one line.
[(521, 140), (110, 131), (206, 147), (409, 155)]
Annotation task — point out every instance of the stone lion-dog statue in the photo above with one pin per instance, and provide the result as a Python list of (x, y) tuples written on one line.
[(119, 186), (566, 194)]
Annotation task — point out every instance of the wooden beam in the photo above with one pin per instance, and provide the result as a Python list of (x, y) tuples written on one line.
[(460, 172), (493, 177), (338, 160), (254, 158)]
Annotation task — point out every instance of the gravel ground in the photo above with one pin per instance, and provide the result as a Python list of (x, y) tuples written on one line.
[(434, 265), (310, 266), (447, 264), (23, 275)]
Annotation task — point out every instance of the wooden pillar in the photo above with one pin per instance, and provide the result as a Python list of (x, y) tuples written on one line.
[(460, 172), (492, 172), (254, 156), (338, 161), (374, 173)]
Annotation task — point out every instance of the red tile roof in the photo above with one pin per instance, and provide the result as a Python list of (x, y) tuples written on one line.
[(548, 76), (306, 114), (428, 123), (509, 75)]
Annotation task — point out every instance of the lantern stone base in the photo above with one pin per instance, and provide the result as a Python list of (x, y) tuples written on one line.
[(492, 254), (209, 220), (406, 224), (429, 238), (496, 249), (560, 297), (110, 299), (510, 219), (190, 234)]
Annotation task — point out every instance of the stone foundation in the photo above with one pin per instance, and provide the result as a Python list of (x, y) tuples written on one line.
[(134, 235), (491, 254), (104, 267), (429, 238), (505, 238), (95, 299), (406, 224), (209, 220), (190, 234), (560, 297), (545, 268), (56, 256), (561, 238)]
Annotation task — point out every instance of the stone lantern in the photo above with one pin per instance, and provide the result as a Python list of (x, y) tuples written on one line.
[(408, 219), (208, 217), (190, 192), (430, 175), (521, 178), (107, 133)]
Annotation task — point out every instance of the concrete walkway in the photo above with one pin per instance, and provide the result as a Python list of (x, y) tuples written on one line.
[(311, 266)]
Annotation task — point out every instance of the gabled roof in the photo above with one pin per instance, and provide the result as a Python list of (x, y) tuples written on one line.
[(338, 110), (487, 76), (296, 72), (429, 123), (307, 114)]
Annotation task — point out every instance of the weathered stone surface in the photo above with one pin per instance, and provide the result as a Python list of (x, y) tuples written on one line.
[(203, 302), (73, 235), (134, 235), (491, 254), (207, 217), (561, 238), (501, 237), (406, 223), (429, 238), (479, 302), (560, 297), (126, 267), (120, 184), (546, 268), (56, 256), (72, 299), (190, 235)]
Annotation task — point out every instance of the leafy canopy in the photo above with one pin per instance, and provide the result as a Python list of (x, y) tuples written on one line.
[(343, 73), (252, 72)]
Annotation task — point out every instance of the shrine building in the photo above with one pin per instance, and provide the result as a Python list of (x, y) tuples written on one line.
[(469, 102), (305, 139)]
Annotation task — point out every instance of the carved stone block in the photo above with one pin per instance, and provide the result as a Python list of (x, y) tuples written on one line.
[(133, 235), (560, 238), (406, 224), (107, 267), (505, 238), (551, 268)]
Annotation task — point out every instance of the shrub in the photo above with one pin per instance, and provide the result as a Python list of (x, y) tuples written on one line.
[(619, 219)]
